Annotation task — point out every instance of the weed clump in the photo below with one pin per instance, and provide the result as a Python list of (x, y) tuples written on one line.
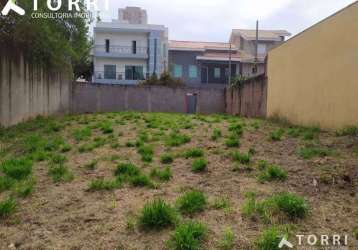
[(277, 134), (309, 152), (176, 139), (216, 134), (269, 240), (191, 202), (60, 173), (227, 241), (146, 152), (241, 157), (348, 131), (102, 184)]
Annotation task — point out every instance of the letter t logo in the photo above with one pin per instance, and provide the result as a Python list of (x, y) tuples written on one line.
[(11, 5)]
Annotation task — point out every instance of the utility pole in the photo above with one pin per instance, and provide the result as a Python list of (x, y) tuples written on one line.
[(230, 63), (257, 41)]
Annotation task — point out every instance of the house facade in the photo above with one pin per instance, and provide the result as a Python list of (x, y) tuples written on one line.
[(208, 62), (129, 49)]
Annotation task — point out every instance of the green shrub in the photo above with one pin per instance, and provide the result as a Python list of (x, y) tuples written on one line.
[(277, 134), (294, 132), (163, 175), (17, 168), (7, 207), (82, 134), (272, 173), (191, 202), (157, 215), (292, 205), (310, 152), (269, 240), (216, 134), (60, 173), (194, 153), (227, 240), (146, 152), (199, 165), (348, 131), (102, 184), (241, 157), (166, 159), (232, 143), (176, 139), (6, 183), (188, 236)]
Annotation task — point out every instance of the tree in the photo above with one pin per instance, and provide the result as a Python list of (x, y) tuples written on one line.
[(54, 43)]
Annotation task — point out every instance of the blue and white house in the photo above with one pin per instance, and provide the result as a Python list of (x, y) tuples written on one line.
[(129, 49)]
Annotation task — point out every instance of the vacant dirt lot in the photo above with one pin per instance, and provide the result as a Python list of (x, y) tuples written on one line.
[(59, 205)]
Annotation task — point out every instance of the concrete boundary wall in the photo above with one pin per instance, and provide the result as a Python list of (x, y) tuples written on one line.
[(91, 98), (248, 100), (27, 91)]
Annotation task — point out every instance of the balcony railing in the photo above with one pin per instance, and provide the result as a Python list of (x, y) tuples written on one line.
[(118, 76), (126, 51)]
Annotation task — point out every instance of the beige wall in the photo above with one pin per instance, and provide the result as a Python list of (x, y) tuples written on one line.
[(313, 78), (27, 91)]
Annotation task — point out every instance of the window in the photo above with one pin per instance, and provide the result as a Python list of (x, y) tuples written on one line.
[(134, 73), (110, 72), (261, 48), (217, 72), (134, 47), (178, 71), (107, 45), (193, 71)]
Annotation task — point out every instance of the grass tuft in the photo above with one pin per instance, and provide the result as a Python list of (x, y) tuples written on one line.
[(176, 139), (18, 169), (227, 240), (241, 157), (199, 165), (272, 173), (7, 207), (310, 152), (157, 215), (102, 184), (277, 134), (162, 175), (166, 159), (216, 134), (191, 202), (60, 173), (188, 236), (269, 240), (194, 153)]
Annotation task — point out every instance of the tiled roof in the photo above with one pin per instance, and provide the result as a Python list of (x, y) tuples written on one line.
[(263, 34), (191, 45)]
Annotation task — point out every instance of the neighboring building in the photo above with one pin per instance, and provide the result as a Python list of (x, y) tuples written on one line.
[(208, 62), (129, 49), (312, 78)]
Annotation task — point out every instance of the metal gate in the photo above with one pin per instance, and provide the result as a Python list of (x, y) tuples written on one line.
[(191, 101)]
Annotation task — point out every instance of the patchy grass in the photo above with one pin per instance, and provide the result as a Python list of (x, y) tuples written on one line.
[(348, 131), (269, 240), (113, 155), (192, 202), (277, 134)]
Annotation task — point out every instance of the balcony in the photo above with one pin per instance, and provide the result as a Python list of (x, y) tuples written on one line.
[(116, 77), (125, 52)]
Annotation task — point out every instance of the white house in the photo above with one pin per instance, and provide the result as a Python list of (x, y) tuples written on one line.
[(129, 49)]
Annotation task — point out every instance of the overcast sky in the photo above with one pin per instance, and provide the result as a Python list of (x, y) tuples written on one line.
[(212, 20)]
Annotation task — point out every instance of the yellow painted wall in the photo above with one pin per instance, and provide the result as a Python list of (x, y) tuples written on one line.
[(313, 77)]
